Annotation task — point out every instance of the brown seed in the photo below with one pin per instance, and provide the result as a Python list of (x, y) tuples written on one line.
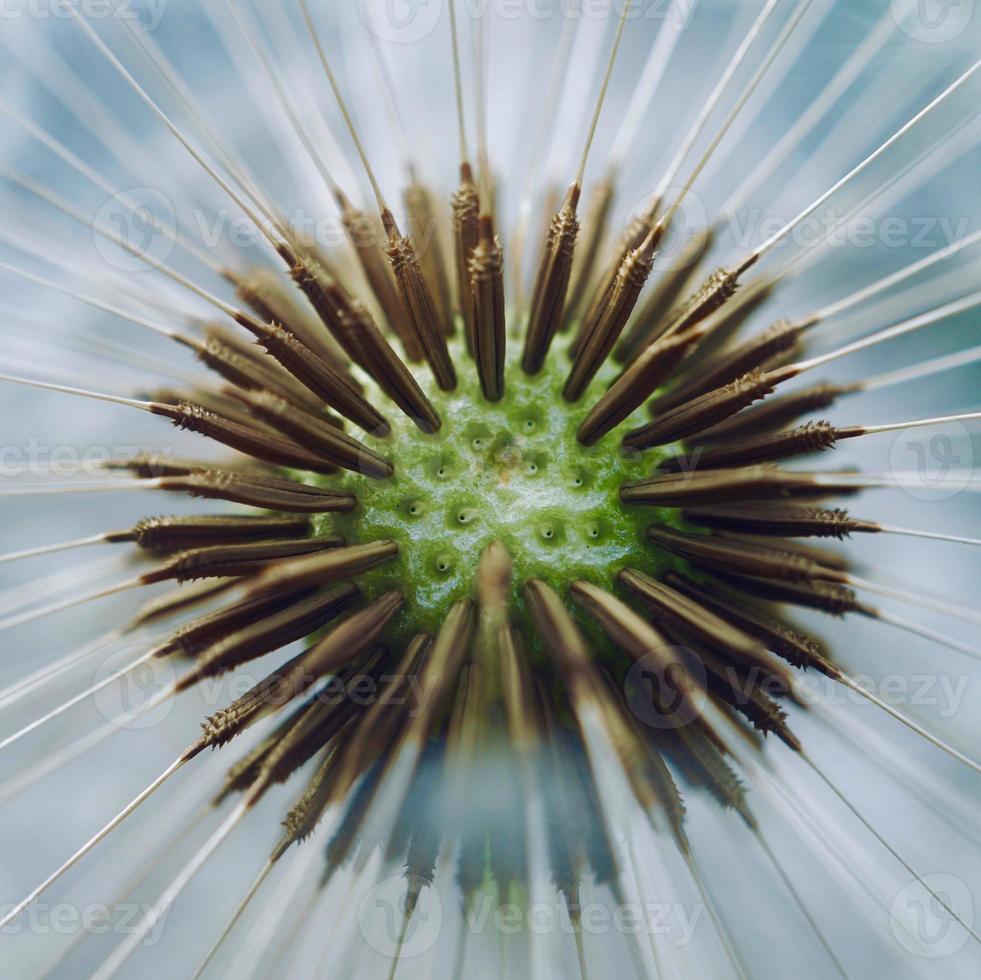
[(254, 370), (196, 636), (717, 371), (420, 206), (224, 561), (178, 601), (251, 440), (387, 368), (796, 648), (636, 233), (466, 236), (316, 283), (652, 320), (682, 612), (829, 597), (702, 412), (357, 634), (596, 346), (813, 437), (384, 719), (161, 534), (640, 640), (418, 301), (724, 324), (636, 384), (594, 234), (325, 566), (773, 414), (331, 386), (551, 284), (265, 294), (488, 320), (790, 520), (317, 435), (367, 237), (743, 558), (712, 295), (297, 620), (268, 494)]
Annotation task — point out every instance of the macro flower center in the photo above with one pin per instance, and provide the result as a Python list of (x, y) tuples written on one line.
[(511, 471)]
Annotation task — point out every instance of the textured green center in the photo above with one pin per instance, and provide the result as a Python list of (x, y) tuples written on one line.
[(511, 471)]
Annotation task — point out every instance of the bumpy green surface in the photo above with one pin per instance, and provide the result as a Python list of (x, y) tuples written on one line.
[(511, 471)]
